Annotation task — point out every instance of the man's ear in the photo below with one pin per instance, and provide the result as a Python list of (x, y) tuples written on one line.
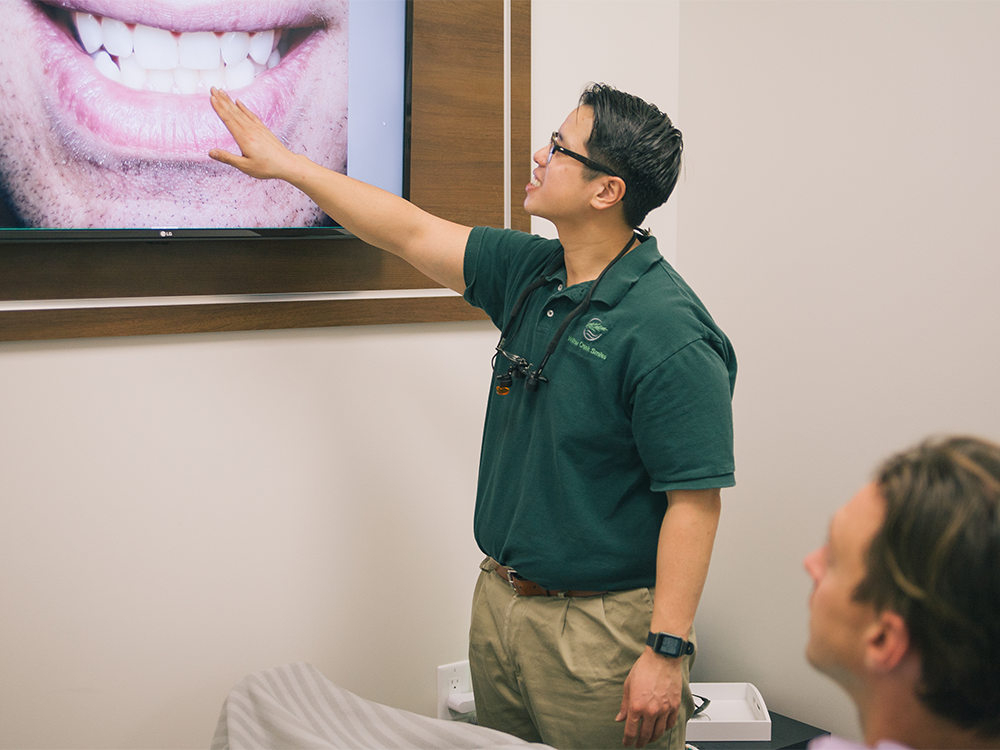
[(887, 642), (611, 193)]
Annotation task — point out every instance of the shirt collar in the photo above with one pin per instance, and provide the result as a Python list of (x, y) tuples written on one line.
[(618, 280)]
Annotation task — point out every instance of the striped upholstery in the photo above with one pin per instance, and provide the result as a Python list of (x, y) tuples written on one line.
[(295, 706)]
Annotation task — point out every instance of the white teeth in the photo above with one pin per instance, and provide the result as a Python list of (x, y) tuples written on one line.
[(261, 45), (151, 59), (211, 78), (88, 29), (107, 66), (239, 75), (156, 49), (199, 50), (162, 81), (235, 46), (117, 37), (133, 74), (186, 80)]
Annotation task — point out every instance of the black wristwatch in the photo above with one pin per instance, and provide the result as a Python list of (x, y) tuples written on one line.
[(673, 646)]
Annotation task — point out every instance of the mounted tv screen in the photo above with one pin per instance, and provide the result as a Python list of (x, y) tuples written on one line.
[(105, 121)]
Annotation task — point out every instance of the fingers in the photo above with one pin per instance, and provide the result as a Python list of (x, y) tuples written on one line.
[(245, 127), (670, 720), (641, 730), (660, 727), (221, 102), (248, 112), (224, 156), (632, 726), (623, 711), (224, 108), (220, 97), (631, 718), (649, 729), (234, 114)]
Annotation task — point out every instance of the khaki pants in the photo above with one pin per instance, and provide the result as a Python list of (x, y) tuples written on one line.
[(550, 669)]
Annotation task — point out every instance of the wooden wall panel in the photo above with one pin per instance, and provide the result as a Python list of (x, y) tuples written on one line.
[(458, 109), (520, 98)]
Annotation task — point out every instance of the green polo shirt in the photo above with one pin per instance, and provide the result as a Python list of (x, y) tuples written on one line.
[(638, 401)]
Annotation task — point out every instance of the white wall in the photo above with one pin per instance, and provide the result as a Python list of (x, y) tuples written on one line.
[(838, 216), (632, 45), (178, 511)]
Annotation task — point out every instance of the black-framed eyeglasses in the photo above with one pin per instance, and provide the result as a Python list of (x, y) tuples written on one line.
[(553, 147)]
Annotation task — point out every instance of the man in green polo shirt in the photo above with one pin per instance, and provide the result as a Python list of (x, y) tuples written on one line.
[(608, 432)]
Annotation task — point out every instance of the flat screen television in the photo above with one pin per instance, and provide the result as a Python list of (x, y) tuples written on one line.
[(105, 123)]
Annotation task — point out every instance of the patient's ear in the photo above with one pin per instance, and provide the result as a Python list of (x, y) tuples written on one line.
[(887, 641)]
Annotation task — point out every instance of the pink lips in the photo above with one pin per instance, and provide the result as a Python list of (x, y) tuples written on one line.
[(109, 122), (200, 15)]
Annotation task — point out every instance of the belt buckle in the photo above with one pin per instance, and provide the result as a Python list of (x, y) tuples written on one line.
[(511, 575)]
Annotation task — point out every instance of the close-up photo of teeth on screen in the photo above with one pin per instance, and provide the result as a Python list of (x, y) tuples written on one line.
[(105, 119)]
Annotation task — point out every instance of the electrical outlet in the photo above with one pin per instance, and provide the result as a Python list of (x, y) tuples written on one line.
[(452, 679)]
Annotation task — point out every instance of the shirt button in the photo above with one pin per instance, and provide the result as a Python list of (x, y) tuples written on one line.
[(550, 313), (559, 288)]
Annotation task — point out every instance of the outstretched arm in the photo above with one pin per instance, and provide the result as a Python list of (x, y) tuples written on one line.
[(432, 245)]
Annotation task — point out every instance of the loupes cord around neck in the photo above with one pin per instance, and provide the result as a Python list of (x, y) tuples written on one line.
[(520, 367)]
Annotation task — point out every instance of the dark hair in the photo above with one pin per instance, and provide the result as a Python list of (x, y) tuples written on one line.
[(639, 142), (936, 562)]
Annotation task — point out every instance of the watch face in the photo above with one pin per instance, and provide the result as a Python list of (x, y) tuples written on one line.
[(670, 645)]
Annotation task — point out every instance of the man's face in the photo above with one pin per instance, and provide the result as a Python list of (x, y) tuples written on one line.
[(557, 188), (105, 119), (837, 623)]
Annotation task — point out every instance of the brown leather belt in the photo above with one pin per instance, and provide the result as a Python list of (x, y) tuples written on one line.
[(523, 587)]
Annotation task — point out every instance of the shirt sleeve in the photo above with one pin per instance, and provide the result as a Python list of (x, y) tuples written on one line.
[(683, 420), (498, 263)]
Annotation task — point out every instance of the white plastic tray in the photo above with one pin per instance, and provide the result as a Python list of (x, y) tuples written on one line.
[(737, 712)]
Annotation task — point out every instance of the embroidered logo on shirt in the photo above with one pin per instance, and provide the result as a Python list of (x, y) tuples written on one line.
[(594, 329), (591, 332)]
